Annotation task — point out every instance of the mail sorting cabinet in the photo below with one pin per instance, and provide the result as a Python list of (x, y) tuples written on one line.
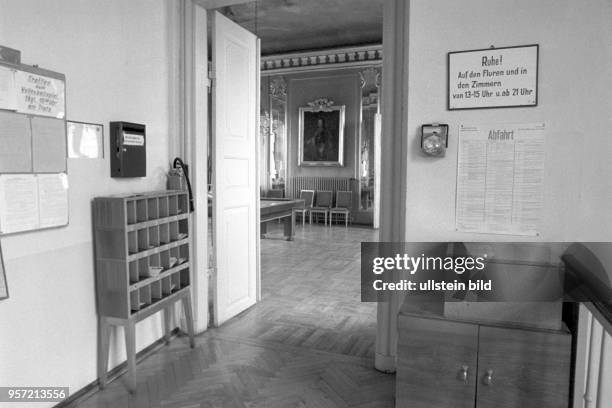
[(444, 363), (142, 251)]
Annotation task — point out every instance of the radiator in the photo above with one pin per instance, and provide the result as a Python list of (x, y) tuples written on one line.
[(298, 183)]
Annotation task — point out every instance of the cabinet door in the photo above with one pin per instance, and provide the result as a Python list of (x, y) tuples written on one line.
[(436, 365), (523, 368)]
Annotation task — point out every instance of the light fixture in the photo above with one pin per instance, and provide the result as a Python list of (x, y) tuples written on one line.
[(434, 139)]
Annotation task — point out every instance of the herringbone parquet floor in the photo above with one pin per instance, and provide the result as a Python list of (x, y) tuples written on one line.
[(308, 343)]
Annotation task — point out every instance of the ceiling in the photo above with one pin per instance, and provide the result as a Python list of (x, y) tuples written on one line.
[(300, 25)]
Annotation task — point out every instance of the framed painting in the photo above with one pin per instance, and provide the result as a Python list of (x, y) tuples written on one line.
[(321, 134)]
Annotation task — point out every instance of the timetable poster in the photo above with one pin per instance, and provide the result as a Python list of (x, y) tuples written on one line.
[(500, 173)]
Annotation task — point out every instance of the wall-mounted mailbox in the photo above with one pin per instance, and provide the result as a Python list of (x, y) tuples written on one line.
[(128, 150)]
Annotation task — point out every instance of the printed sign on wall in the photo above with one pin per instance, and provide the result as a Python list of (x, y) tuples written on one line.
[(493, 78), (40, 95)]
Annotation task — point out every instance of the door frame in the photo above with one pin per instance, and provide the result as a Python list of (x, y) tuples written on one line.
[(392, 204), (193, 65), (195, 97)]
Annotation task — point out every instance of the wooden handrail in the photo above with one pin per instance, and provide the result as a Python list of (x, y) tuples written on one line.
[(588, 289)]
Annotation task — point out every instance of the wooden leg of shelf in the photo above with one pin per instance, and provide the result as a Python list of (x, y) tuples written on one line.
[(130, 349), (189, 317), (103, 344), (167, 329)]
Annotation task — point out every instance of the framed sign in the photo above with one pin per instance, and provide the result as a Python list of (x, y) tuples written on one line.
[(493, 78), (321, 134)]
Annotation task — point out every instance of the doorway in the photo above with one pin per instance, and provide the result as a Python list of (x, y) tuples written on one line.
[(310, 287)]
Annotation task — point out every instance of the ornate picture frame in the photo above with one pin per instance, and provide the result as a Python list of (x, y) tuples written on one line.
[(321, 134)]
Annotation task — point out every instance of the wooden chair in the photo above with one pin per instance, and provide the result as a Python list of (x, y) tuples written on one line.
[(343, 206), (323, 204), (308, 197)]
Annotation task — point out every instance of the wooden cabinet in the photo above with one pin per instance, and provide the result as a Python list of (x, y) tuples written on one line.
[(142, 250), (523, 368), (438, 361), (444, 363)]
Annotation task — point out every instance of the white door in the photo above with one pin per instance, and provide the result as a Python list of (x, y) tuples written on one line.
[(235, 183)]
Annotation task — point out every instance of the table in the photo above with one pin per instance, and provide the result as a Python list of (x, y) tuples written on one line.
[(279, 209)]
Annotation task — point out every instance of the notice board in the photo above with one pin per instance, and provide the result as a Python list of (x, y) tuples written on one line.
[(33, 180), (500, 174)]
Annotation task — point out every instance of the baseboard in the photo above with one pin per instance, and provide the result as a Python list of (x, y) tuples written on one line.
[(94, 386)]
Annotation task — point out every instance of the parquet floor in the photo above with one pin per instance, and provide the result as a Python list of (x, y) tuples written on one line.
[(308, 343)]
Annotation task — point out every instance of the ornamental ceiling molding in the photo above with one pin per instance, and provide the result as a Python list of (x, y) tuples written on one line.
[(368, 55)]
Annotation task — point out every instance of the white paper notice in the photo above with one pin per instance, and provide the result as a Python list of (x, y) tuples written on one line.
[(18, 203), (33, 201), (133, 139), (8, 92), (499, 178), (53, 199), (85, 140), (40, 95)]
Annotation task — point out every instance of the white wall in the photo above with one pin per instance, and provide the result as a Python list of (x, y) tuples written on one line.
[(575, 66), (120, 62)]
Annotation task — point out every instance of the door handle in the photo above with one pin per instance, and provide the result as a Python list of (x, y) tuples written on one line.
[(488, 378)]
